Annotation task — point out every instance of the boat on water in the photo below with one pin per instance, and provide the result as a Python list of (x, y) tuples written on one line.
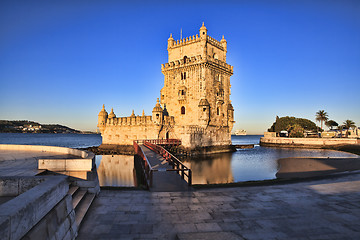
[(240, 132)]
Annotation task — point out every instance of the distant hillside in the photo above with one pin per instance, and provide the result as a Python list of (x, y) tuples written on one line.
[(24, 126)]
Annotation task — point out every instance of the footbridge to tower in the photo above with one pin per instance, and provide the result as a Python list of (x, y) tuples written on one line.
[(161, 170)]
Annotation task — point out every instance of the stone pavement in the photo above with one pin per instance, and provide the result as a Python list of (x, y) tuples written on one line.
[(322, 209)]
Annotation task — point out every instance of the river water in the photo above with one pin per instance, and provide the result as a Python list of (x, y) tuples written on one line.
[(258, 163)]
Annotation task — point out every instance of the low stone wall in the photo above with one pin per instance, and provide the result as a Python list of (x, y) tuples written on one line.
[(71, 151), (44, 211), (305, 142), (85, 162)]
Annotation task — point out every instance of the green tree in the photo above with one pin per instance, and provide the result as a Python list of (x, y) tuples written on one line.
[(296, 131), (321, 116), (331, 123), (287, 122), (348, 124)]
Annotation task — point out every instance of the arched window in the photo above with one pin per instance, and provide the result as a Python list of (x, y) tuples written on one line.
[(185, 58), (182, 110)]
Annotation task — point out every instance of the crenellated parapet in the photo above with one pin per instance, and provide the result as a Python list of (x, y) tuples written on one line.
[(220, 65), (192, 61), (129, 121), (193, 39), (184, 41), (182, 63), (215, 43)]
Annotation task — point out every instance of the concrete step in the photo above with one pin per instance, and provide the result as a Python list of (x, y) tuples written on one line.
[(73, 190), (77, 197), (83, 207)]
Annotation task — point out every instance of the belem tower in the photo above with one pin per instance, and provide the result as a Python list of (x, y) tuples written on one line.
[(194, 103)]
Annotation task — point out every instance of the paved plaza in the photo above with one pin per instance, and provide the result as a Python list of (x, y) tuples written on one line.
[(322, 209)]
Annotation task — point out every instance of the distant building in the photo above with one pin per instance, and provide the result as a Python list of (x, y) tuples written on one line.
[(194, 103)]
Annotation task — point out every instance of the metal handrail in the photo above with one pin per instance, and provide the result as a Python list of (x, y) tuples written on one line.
[(160, 141), (178, 166), (146, 166)]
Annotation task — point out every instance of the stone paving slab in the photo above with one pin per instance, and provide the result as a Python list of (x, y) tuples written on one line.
[(322, 209)]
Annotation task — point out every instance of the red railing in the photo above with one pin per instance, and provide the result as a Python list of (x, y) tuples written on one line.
[(177, 165), (146, 167), (175, 142)]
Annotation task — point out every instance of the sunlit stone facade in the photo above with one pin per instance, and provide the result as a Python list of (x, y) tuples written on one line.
[(194, 103)]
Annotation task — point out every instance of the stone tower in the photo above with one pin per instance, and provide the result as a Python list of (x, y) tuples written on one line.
[(194, 104), (197, 89)]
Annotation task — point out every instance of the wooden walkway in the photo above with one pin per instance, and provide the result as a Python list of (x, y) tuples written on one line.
[(164, 181)]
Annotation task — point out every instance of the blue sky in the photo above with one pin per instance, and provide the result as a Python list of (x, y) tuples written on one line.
[(61, 60)]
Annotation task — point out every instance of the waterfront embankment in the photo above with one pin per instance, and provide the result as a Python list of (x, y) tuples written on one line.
[(306, 142)]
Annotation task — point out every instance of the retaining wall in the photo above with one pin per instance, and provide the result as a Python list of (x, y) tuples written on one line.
[(306, 142)]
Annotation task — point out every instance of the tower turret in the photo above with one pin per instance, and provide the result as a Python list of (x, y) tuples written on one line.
[(230, 116), (157, 113), (102, 117), (224, 44), (203, 31), (171, 41), (204, 111), (112, 114)]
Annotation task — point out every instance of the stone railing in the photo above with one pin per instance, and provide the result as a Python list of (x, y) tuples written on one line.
[(28, 215)]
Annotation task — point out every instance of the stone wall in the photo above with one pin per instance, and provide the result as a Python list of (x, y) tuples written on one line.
[(71, 151), (44, 211), (125, 135), (305, 142)]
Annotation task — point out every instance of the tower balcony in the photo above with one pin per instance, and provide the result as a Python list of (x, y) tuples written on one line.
[(220, 99)]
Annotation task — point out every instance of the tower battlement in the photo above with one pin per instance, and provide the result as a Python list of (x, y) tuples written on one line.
[(187, 62), (184, 41), (193, 39)]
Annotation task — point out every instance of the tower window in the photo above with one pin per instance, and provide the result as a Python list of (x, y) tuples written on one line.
[(184, 75), (183, 110), (217, 111), (204, 109)]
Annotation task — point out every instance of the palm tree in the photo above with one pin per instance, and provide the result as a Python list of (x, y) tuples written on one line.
[(348, 124), (321, 116)]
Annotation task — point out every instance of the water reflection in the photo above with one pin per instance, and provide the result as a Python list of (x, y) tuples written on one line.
[(210, 169), (259, 163), (116, 171)]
